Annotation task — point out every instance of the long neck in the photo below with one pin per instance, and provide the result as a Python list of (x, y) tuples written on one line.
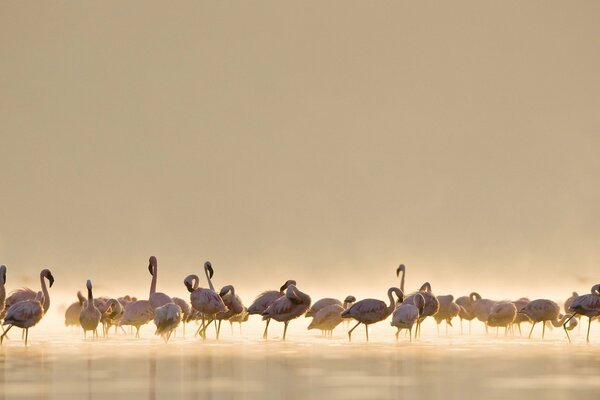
[(46, 304), (2, 294), (208, 279), (558, 323), (392, 305), (153, 284), (80, 298), (402, 280), (90, 303)]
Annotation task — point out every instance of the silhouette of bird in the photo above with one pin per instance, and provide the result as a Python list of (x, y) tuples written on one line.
[(166, 318), (520, 317), (157, 299), (294, 304), (89, 318), (401, 268), (72, 312), (2, 288), (481, 308), (28, 294), (406, 314), (370, 311), (502, 314), (448, 309), (432, 305), (322, 303), (466, 311), (587, 305), (542, 310), (24, 315), (264, 301), (234, 305)]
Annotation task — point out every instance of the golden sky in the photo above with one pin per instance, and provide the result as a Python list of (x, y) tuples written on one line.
[(321, 141)]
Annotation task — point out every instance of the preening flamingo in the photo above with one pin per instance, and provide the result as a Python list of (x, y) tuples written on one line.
[(24, 315), (502, 314), (327, 318), (137, 313), (406, 314), (370, 311), (448, 309), (542, 310), (265, 299), (466, 311), (166, 319), (481, 308), (294, 304), (588, 305), (72, 312), (89, 318), (234, 305), (206, 301), (432, 305), (157, 299), (520, 317), (321, 303), (186, 311)]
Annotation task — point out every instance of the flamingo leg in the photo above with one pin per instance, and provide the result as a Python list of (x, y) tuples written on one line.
[(397, 333), (519, 325), (367, 331), (285, 325), (410, 334), (137, 332), (470, 327), (26, 335), (4, 334), (214, 318), (531, 331), (218, 328), (350, 331), (461, 328), (240, 328), (587, 338), (565, 326), (543, 329), (231, 326), (266, 328)]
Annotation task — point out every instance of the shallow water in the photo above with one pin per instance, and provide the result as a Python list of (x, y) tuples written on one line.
[(59, 364)]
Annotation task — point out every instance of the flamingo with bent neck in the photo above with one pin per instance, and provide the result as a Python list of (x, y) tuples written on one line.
[(294, 304), (370, 311), (24, 294)]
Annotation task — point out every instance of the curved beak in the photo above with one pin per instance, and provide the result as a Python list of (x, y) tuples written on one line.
[(50, 279), (210, 271), (150, 269), (4, 277), (189, 286)]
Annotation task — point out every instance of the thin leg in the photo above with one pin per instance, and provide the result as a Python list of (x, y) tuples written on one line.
[(486, 328), (367, 331), (470, 327), (397, 333), (543, 329), (497, 329), (565, 326), (410, 334), (446, 328), (266, 329), (231, 326), (587, 338), (26, 335), (519, 325), (4, 334), (350, 331), (218, 329), (531, 331), (137, 332), (285, 324), (438, 329), (461, 328)]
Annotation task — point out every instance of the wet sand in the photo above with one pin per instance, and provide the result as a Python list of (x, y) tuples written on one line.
[(61, 365)]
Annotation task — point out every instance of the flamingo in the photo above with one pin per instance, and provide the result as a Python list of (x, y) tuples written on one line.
[(370, 311), (519, 304), (265, 299), (466, 311), (157, 299), (2, 288), (24, 314), (294, 304), (206, 301), (448, 310), (401, 268), (327, 318), (233, 303), (406, 314), (322, 303), (72, 312), (542, 310), (28, 294), (481, 308), (432, 305), (111, 310), (239, 318), (89, 318), (588, 305), (137, 313), (503, 314), (166, 319), (568, 303)]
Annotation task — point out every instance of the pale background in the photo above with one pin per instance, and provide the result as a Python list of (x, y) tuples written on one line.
[(322, 141)]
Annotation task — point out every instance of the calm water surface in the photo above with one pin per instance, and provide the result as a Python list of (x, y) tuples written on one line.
[(61, 365)]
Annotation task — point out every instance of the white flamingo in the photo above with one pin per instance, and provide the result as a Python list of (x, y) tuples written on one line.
[(321, 303), (294, 304), (157, 299), (265, 299), (206, 301), (370, 311), (24, 315), (588, 305), (89, 318), (167, 319), (406, 314), (329, 317)]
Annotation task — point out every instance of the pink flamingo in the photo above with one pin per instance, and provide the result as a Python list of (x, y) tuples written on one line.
[(370, 311), (265, 299), (406, 314), (28, 294), (24, 315), (432, 304), (137, 313), (542, 310), (291, 306), (73, 311), (588, 305), (466, 311), (234, 305), (157, 299), (89, 318), (502, 314)]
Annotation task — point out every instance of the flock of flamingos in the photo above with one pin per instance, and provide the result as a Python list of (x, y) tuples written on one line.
[(24, 308)]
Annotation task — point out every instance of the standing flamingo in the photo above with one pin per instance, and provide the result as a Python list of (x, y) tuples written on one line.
[(157, 299), (448, 310), (206, 301), (432, 304), (542, 310), (186, 311), (322, 303), (291, 306), (370, 311), (239, 318), (28, 294), (588, 305), (233, 303), (520, 317), (166, 319), (328, 317), (72, 312), (24, 315), (265, 299), (89, 318), (466, 311), (502, 314), (137, 313), (406, 314), (481, 308)]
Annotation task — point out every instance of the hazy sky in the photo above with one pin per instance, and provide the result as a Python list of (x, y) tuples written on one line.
[(321, 141)]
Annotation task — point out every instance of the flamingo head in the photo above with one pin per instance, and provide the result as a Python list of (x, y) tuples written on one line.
[(350, 300), (188, 285), (225, 290), (208, 267), (286, 284), (3, 273), (48, 275), (88, 285), (419, 302), (596, 289), (402, 268), (152, 263)]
